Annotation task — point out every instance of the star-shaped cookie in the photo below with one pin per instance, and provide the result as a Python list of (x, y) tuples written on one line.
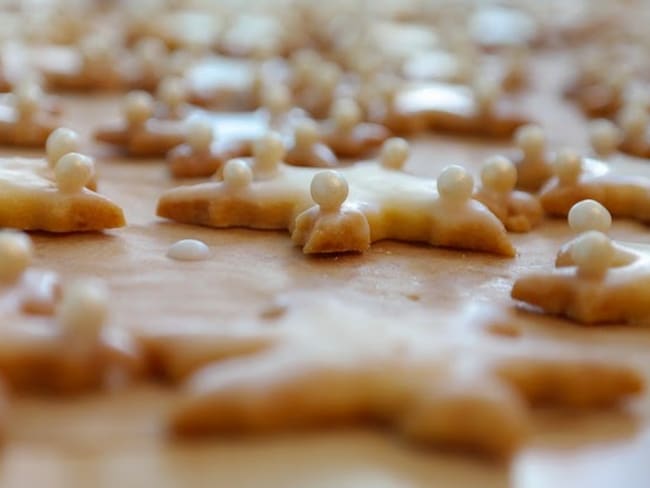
[(458, 387), (340, 211)]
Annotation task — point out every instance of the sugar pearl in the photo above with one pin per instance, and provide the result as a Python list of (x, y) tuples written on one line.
[(172, 91), (592, 253), (15, 254), (454, 183), (589, 215), (61, 142), (200, 135), (604, 137), (394, 153), (83, 309), (346, 113), (73, 171), (189, 250), (237, 173), (568, 166), (499, 174), (268, 151), (306, 133), (530, 139), (138, 107), (329, 189)]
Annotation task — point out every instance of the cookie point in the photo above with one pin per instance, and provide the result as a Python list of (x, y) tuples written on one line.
[(15, 254), (329, 189), (59, 143), (589, 215), (499, 174), (394, 153), (73, 171), (138, 107), (604, 136), (592, 252), (188, 250), (200, 135), (455, 183), (83, 309), (237, 173)]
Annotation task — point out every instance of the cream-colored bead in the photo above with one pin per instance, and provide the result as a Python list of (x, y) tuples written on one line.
[(346, 114), (604, 137), (59, 143), (268, 152), (15, 255), (455, 184), (589, 215), (138, 107), (83, 309), (200, 135), (634, 122), (567, 167), (189, 250), (394, 153), (498, 174), (306, 133), (276, 99), (172, 91), (28, 96), (593, 253), (329, 189), (73, 172), (531, 140), (237, 173)]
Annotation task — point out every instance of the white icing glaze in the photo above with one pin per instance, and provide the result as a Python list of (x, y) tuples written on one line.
[(59, 143), (73, 171), (589, 215), (15, 255), (189, 250)]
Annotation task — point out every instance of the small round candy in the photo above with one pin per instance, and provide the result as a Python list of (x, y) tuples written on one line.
[(15, 254), (604, 137), (329, 189), (346, 113), (530, 139), (568, 166), (83, 309), (455, 183), (499, 174), (592, 252), (138, 107), (73, 171), (276, 99), (589, 215), (306, 133), (28, 97), (394, 153), (269, 150), (59, 143), (237, 173), (634, 121), (189, 250), (200, 135), (172, 91)]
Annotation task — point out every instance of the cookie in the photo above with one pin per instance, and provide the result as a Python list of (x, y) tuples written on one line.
[(55, 336), (271, 195), (54, 194), (416, 382), (604, 284), (519, 211), (575, 180)]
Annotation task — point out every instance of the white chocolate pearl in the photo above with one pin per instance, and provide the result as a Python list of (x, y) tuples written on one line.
[(604, 137), (592, 252), (83, 309), (394, 153), (237, 173), (346, 114), (138, 107), (276, 99), (329, 189), (568, 166), (306, 133), (73, 171), (499, 174), (634, 121), (172, 91), (200, 135), (189, 250), (589, 215), (530, 139), (268, 151), (15, 254), (59, 143), (28, 97), (455, 183)]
